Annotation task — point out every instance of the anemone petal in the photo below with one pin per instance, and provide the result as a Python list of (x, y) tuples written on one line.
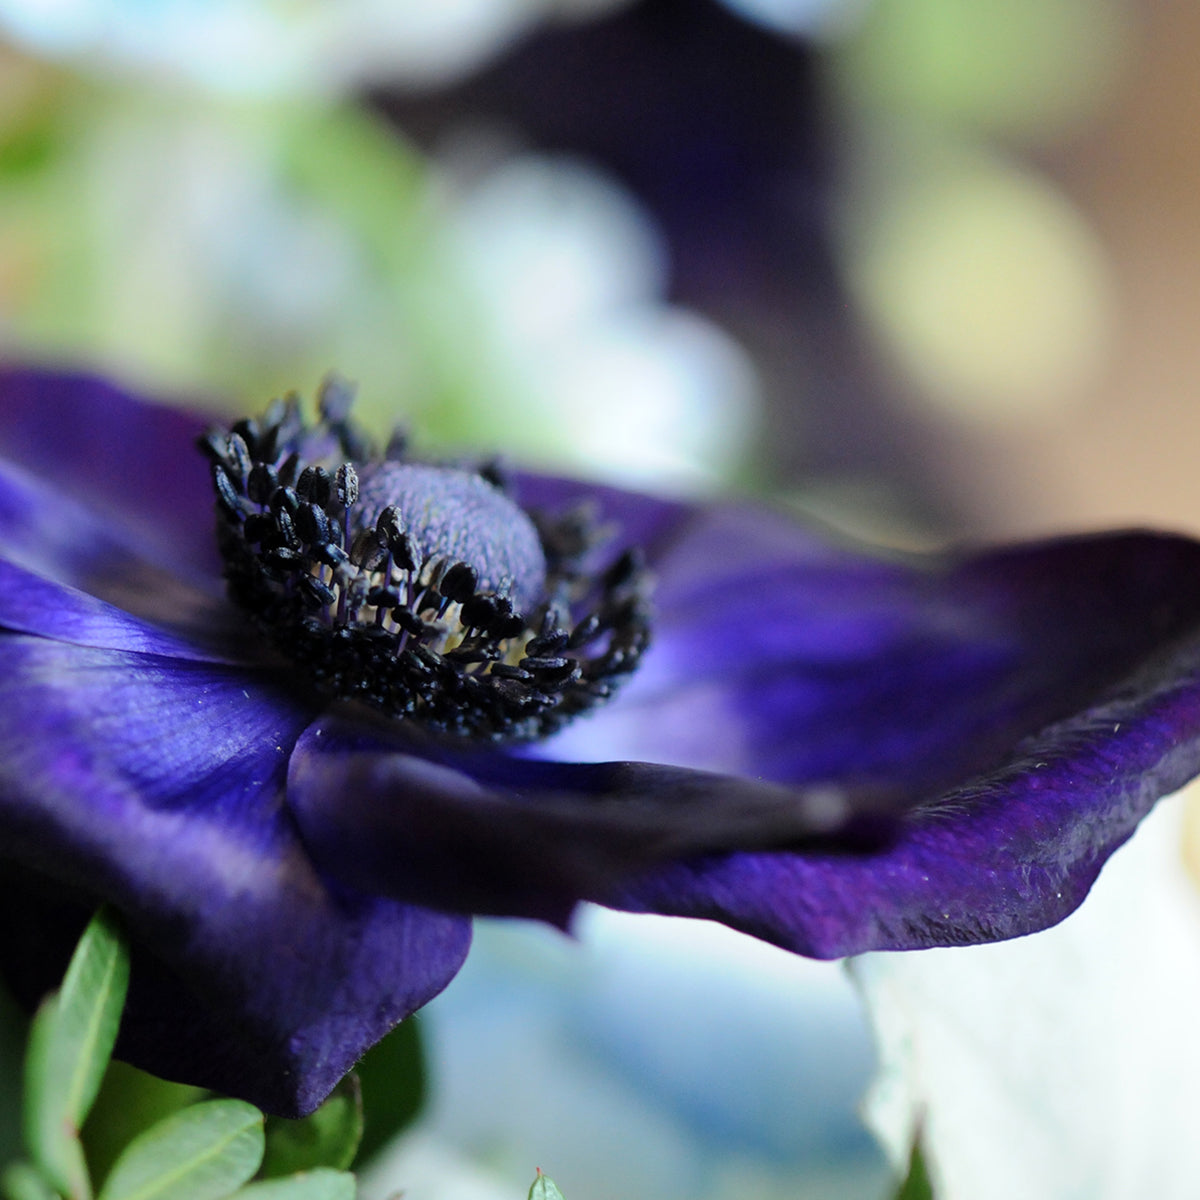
[(784, 655), (1006, 852), (74, 575), (159, 786), (128, 458)]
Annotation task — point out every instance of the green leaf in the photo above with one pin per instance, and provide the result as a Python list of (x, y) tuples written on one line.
[(130, 1102), (327, 1138), (392, 1075), (70, 1044), (543, 1188), (90, 1003), (916, 1186), (321, 1184), (22, 1181), (200, 1153), (50, 1137)]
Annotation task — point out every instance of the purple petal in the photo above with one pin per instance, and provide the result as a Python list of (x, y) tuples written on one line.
[(488, 833), (1085, 710), (31, 604), (159, 785), (1005, 856), (129, 460), (921, 685), (783, 656), (646, 521), (65, 565)]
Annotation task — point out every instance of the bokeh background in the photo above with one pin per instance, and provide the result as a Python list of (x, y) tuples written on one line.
[(924, 269)]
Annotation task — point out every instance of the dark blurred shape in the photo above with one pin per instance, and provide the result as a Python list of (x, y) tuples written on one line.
[(723, 132)]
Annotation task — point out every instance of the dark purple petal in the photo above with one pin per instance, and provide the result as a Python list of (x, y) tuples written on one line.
[(129, 460), (32, 604), (781, 655), (1095, 715), (1038, 698), (887, 684), (1004, 856), (66, 564), (159, 785), (647, 521), (488, 833)]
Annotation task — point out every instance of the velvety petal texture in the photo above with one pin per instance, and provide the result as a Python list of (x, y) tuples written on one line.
[(128, 460), (158, 784), (831, 749), (782, 654), (1005, 853), (143, 761), (1030, 704)]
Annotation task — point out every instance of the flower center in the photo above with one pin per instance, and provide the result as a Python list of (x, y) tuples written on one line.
[(423, 590)]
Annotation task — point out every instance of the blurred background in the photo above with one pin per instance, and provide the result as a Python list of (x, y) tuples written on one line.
[(922, 268)]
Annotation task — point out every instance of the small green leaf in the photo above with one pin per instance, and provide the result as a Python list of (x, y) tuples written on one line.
[(916, 1185), (70, 1044), (90, 1004), (22, 1181), (543, 1188), (129, 1102), (392, 1075), (200, 1153), (50, 1136), (321, 1184), (327, 1138)]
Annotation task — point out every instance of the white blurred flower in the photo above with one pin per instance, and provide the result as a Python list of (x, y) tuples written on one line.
[(570, 277), (267, 46), (1061, 1066)]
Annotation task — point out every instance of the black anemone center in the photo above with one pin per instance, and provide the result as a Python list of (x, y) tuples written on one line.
[(424, 590)]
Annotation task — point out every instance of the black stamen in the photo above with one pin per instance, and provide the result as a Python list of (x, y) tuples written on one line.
[(507, 671), (347, 485), (262, 482), (390, 526), (258, 528), (335, 398), (312, 523), (314, 485), (624, 569), (584, 632), (286, 500), (331, 554), (459, 583), (316, 593), (246, 432), (397, 445), (288, 469), (480, 611), (227, 494)]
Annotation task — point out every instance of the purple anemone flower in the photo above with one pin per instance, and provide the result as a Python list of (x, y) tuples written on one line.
[(298, 796)]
